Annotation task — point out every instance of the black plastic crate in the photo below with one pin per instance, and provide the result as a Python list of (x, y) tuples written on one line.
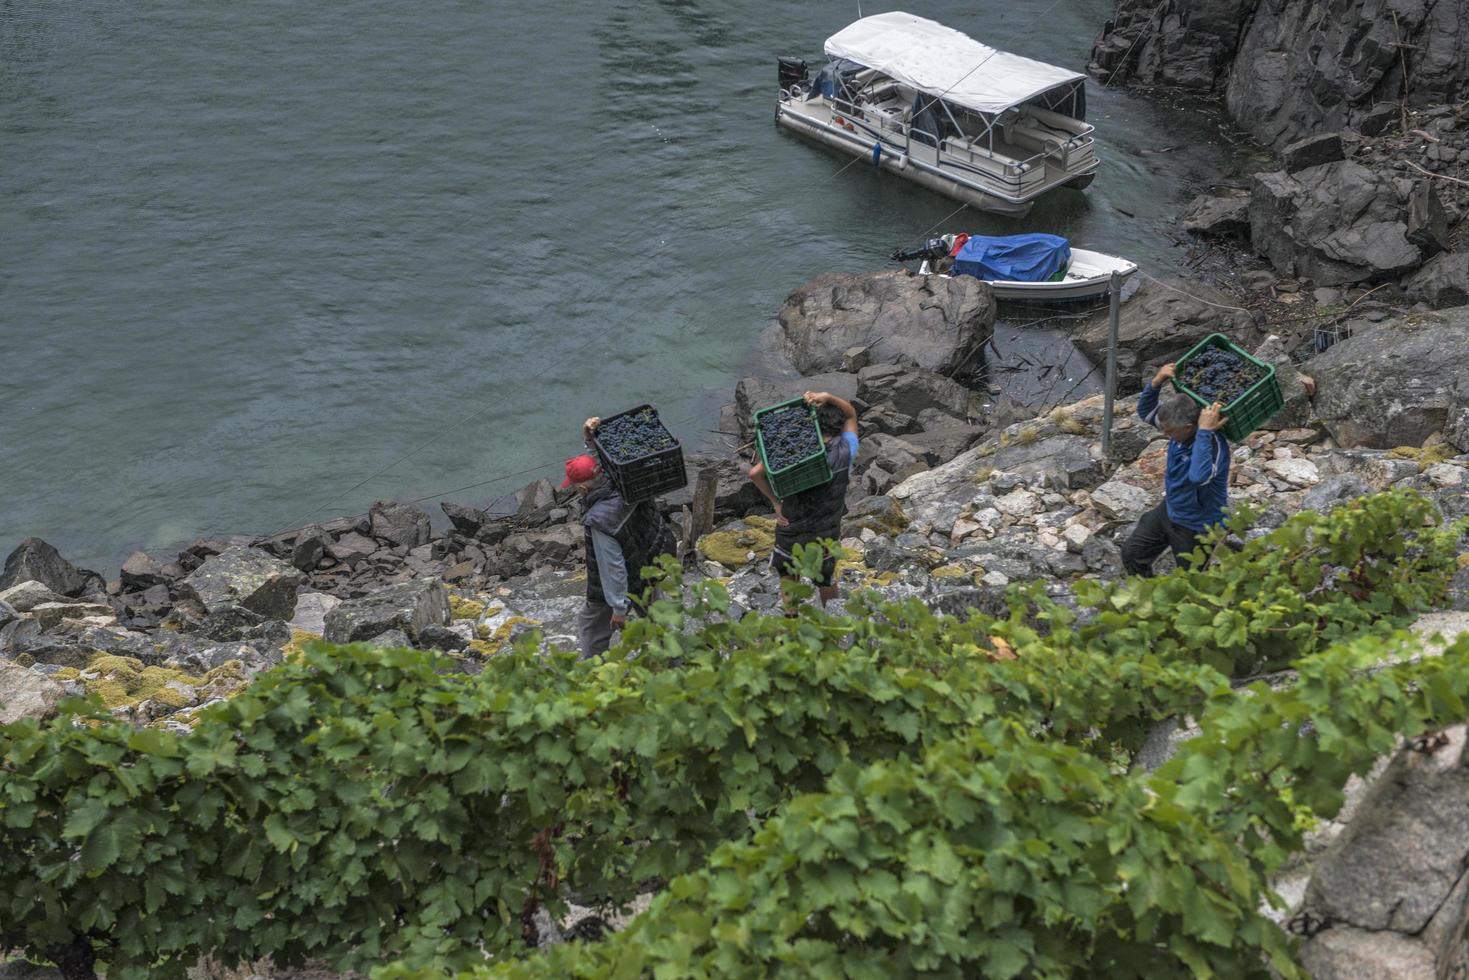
[(645, 476)]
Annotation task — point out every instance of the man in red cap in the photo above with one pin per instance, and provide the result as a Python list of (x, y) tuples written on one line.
[(621, 539)]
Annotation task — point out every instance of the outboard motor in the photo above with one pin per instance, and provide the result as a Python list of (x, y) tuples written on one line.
[(934, 248), (791, 71)]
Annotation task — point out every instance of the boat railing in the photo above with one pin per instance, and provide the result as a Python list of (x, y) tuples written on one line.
[(1058, 148)]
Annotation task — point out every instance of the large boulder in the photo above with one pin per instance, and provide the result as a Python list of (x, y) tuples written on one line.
[(559, 544), (27, 595), (1158, 323), (1219, 214), (1187, 45), (407, 606), (405, 525), (1457, 428), (934, 322), (1397, 384), (466, 520), (141, 571), (36, 561), (1393, 884), (752, 394), (941, 443), (245, 577), (1309, 67), (1428, 222), (1334, 224), (1442, 282), (911, 390), (311, 610), (1312, 151), (1294, 68), (24, 693), (352, 547)]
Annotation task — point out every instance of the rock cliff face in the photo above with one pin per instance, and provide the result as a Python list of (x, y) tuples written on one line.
[(1294, 68)]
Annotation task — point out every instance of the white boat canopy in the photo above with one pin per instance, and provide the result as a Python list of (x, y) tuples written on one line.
[(940, 61)]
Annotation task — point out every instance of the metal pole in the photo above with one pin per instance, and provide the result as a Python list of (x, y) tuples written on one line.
[(1115, 301)]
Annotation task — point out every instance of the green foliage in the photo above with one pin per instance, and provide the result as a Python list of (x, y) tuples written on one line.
[(1002, 853), (880, 791)]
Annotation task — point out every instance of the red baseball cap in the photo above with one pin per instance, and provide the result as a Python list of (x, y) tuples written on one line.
[(579, 469)]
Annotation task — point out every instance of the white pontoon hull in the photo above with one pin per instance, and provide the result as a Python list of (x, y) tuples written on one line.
[(923, 174), (1087, 277)]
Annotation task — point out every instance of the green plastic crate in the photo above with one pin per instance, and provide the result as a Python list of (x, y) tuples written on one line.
[(810, 472), (1253, 407)]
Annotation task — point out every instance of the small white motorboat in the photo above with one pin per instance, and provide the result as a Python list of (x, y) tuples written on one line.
[(1037, 268), (937, 107)]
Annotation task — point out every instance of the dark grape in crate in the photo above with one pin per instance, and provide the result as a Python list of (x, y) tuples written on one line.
[(638, 453), (789, 441), (1215, 370)]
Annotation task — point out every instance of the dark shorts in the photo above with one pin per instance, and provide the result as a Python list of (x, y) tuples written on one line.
[(785, 565)]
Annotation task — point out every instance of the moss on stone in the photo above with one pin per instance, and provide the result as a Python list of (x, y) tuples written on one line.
[(893, 522), (123, 682), (949, 571), (732, 548), (462, 608), (297, 647), (493, 643), (1424, 456), (1464, 560)]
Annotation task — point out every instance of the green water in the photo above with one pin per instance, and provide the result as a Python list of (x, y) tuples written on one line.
[(252, 253)]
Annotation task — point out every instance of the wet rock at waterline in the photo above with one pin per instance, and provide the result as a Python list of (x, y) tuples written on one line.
[(936, 323), (404, 525), (247, 578), (36, 561)]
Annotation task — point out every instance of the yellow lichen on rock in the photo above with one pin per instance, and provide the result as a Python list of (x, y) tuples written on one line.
[(894, 522), (490, 644), (1424, 456), (483, 648), (297, 647), (122, 682), (733, 548), (462, 608), (949, 571)]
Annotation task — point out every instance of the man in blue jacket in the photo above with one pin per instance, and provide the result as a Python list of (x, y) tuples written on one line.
[(1196, 487)]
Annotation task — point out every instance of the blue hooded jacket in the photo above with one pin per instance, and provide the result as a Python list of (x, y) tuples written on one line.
[(1197, 482)]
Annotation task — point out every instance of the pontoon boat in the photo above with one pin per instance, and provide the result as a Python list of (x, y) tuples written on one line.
[(933, 105)]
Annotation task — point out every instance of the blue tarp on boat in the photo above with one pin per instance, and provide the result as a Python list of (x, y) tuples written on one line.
[(1013, 258)]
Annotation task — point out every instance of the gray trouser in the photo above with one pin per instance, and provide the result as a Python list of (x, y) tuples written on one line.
[(594, 628)]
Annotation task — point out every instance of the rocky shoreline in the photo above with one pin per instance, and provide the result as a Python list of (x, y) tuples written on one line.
[(955, 497)]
